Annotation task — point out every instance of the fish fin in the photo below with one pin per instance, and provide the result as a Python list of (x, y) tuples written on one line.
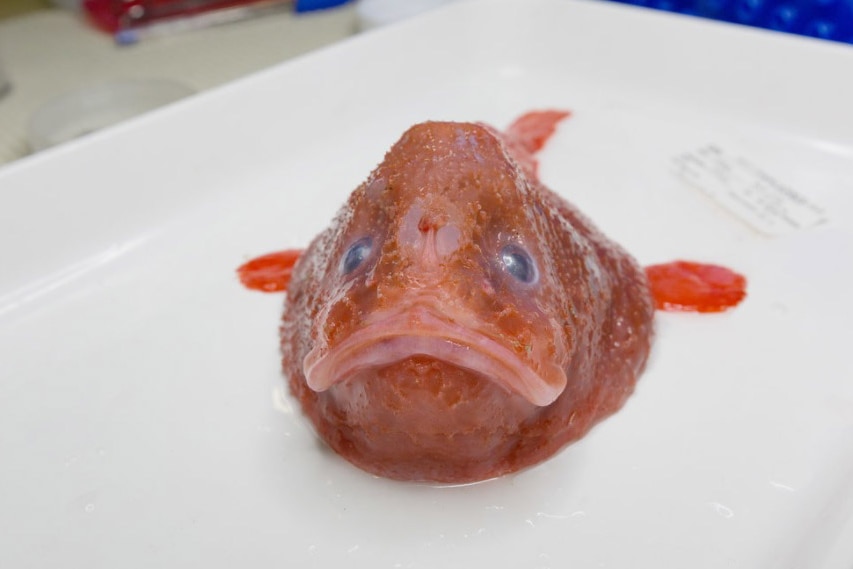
[(533, 129), (270, 272), (688, 286)]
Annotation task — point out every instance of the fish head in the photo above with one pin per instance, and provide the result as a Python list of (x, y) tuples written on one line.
[(441, 257), (439, 311)]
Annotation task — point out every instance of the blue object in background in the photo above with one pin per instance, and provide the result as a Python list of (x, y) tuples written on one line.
[(311, 5), (825, 19)]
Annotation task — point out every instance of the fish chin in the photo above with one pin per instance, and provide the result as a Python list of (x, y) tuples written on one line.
[(425, 419), (421, 333)]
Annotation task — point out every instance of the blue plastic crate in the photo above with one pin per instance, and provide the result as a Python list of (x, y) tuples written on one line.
[(825, 19)]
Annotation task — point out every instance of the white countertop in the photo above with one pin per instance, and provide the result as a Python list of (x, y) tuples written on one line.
[(48, 53)]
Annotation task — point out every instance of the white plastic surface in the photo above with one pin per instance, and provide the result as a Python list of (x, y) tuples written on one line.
[(143, 421)]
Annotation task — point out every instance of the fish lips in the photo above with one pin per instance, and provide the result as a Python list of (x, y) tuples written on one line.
[(397, 336)]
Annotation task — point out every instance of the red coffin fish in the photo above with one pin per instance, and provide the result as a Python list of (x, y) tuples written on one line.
[(458, 320)]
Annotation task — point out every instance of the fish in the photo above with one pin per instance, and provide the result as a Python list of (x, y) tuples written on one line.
[(459, 321)]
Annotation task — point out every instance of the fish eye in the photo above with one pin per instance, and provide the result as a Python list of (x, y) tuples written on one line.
[(519, 263), (356, 255)]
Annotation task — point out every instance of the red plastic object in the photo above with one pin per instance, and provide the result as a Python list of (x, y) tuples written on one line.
[(114, 15)]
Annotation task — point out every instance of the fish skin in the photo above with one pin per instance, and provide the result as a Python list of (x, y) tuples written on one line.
[(439, 210)]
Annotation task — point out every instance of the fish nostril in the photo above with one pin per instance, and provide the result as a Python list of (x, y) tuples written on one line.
[(427, 224), (428, 235)]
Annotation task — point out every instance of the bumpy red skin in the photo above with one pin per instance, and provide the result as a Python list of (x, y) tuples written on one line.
[(590, 313)]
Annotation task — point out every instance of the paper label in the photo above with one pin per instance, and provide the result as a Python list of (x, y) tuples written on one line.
[(748, 191)]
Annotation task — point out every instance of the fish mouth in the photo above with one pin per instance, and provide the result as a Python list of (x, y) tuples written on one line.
[(422, 332)]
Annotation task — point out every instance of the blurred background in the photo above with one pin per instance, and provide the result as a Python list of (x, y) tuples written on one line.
[(71, 67)]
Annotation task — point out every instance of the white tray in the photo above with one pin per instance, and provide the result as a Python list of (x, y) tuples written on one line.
[(143, 421)]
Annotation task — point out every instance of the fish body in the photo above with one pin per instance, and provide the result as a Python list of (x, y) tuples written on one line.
[(458, 320)]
